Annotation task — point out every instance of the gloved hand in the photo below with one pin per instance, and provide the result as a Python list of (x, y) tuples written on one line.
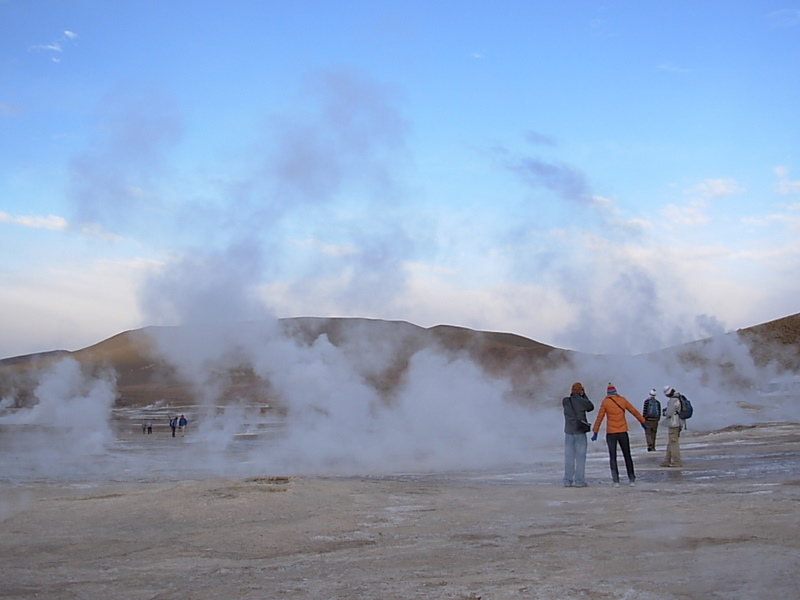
[(594, 436), (644, 426)]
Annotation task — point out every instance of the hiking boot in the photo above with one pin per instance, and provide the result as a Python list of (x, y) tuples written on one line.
[(676, 465), (632, 483), (664, 464), (615, 484), (582, 484)]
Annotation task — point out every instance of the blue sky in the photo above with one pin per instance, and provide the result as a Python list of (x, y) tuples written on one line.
[(611, 177)]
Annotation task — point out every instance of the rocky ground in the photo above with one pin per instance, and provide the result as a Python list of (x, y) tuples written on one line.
[(724, 526)]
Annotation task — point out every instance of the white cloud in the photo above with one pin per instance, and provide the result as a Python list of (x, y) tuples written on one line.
[(534, 310), (632, 224), (616, 291), (696, 211), (53, 46), (671, 68), (603, 203), (56, 223), (786, 186), (615, 216), (326, 248), (69, 308), (716, 188), (691, 214), (36, 222), (96, 231), (789, 219), (786, 18), (56, 45), (431, 298)]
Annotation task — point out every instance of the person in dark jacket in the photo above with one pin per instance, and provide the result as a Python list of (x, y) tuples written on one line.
[(651, 410), (575, 406), (182, 423)]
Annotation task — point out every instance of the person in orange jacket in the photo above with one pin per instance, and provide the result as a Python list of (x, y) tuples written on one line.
[(614, 407)]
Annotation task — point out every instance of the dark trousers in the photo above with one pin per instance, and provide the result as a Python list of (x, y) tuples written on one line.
[(612, 439)]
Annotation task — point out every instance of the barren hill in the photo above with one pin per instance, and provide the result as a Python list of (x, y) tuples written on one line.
[(777, 340), (143, 375)]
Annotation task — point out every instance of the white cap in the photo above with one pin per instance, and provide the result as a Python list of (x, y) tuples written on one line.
[(653, 392), (668, 391)]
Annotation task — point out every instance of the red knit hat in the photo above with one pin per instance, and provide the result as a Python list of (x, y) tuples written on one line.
[(611, 390)]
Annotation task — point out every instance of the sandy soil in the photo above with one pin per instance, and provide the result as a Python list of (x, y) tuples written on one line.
[(725, 526)]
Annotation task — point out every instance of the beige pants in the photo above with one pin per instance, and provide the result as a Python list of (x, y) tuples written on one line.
[(673, 457), (650, 433)]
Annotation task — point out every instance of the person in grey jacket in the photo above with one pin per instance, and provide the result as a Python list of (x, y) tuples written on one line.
[(674, 424), (575, 406)]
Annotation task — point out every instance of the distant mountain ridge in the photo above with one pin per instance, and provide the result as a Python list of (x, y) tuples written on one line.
[(144, 377)]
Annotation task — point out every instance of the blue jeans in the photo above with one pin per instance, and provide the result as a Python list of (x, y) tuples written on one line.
[(574, 459)]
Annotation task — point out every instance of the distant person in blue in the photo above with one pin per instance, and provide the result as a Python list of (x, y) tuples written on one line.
[(575, 406), (173, 424), (182, 422)]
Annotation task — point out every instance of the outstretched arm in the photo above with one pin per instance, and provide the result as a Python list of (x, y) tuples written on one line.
[(632, 409)]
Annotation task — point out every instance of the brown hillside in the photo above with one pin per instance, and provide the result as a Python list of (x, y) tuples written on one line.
[(775, 341), (143, 377)]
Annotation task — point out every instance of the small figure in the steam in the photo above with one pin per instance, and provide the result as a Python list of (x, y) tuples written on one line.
[(149, 426), (576, 405), (614, 407), (652, 415), (173, 424), (182, 422)]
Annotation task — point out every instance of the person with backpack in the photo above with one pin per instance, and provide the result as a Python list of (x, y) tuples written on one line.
[(614, 407), (575, 406), (652, 415), (673, 420)]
